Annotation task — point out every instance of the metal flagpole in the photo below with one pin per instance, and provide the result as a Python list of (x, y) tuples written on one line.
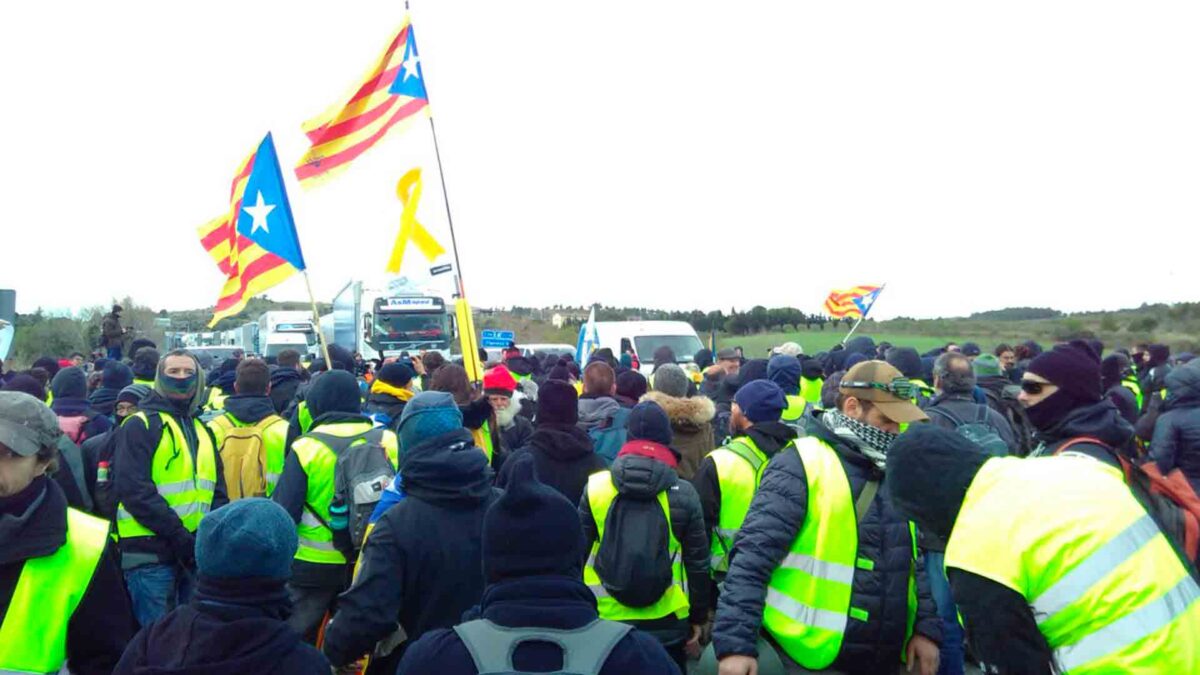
[(317, 322)]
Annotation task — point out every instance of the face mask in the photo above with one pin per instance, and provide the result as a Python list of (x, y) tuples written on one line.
[(1050, 410), (178, 387)]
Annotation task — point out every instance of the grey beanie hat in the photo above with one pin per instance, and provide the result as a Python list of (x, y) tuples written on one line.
[(670, 379)]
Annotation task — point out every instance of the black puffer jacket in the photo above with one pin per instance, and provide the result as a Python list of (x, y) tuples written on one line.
[(643, 478), (1176, 441), (775, 518), (1101, 421)]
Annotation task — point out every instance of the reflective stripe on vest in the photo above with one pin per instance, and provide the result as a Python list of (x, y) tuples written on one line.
[(274, 437), (319, 461), (1107, 589), (186, 485), (808, 596), (739, 468), (33, 635), (600, 494)]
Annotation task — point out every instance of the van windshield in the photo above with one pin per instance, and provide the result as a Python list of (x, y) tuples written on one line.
[(684, 346)]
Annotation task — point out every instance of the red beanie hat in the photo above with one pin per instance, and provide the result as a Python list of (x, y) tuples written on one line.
[(498, 381)]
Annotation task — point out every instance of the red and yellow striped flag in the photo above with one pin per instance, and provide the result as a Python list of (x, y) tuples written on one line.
[(854, 302), (249, 268), (375, 107)]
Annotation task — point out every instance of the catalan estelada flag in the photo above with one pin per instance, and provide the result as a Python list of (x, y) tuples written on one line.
[(390, 95), (255, 243), (854, 302)]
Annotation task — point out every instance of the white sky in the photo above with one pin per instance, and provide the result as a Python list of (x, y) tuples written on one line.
[(664, 154)]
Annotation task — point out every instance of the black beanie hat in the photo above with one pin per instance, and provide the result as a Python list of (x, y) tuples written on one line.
[(116, 375), (333, 391), (1074, 367), (342, 358), (928, 472), (145, 363), (69, 383), (906, 360), (48, 364), (531, 530), (396, 374), (649, 422), (632, 384), (558, 403), (138, 343)]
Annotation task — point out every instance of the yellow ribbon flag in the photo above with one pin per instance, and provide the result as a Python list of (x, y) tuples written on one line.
[(409, 192)]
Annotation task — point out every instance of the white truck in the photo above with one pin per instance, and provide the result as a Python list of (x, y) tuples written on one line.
[(390, 318), (282, 330)]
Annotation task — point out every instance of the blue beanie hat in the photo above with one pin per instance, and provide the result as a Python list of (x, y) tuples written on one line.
[(649, 422), (906, 360), (69, 383), (761, 401), (531, 530), (249, 538), (428, 414), (785, 371)]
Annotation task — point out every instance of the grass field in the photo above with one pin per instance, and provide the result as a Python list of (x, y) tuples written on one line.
[(755, 346)]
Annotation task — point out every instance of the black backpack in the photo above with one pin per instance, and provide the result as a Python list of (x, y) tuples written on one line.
[(634, 562)]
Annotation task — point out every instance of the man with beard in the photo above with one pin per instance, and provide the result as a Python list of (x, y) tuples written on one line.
[(501, 389), (823, 563)]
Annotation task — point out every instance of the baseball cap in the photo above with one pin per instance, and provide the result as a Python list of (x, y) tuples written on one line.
[(885, 387), (726, 354), (26, 424)]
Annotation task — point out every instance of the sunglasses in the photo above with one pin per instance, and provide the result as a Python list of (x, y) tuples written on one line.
[(900, 387), (1033, 388)]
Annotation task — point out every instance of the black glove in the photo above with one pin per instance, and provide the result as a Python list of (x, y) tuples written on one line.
[(183, 545)]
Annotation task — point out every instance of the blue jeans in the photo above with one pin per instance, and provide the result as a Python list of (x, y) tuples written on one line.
[(157, 589), (952, 632), (114, 353)]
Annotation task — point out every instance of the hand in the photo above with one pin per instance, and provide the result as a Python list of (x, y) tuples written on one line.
[(737, 664), (418, 366), (923, 653), (692, 647)]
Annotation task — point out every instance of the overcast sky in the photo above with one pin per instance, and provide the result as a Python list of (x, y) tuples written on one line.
[(664, 154)]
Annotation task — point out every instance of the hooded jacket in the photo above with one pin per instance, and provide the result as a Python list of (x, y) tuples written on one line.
[(422, 565), (1101, 421), (284, 383), (136, 444), (562, 457), (249, 409), (69, 387), (640, 477), (691, 427), (1176, 442), (550, 602), (33, 524), (594, 411), (776, 517), (239, 630)]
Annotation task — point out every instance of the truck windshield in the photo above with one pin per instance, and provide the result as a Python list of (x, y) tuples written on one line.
[(411, 330), (684, 346)]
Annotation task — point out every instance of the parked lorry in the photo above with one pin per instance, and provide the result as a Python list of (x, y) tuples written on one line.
[(391, 318)]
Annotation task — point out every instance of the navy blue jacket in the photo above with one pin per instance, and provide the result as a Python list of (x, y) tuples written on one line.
[(535, 602), (775, 518), (1176, 442)]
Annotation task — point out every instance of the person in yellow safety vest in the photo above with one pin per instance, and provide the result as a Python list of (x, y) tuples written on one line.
[(729, 476), (1054, 563), (306, 491), (250, 414), (61, 593), (644, 473), (823, 563), (222, 386), (811, 381), (785, 371), (168, 475)]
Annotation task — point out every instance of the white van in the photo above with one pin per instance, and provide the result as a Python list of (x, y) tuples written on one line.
[(645, 337)]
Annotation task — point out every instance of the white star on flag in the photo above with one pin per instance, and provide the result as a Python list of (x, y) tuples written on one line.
[(259, 213), (410, 64)]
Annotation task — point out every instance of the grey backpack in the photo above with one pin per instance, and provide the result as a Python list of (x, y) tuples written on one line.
[(363, 471), (980, 431), (585, 649)]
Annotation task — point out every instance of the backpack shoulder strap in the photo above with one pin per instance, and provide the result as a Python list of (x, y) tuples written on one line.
[(945, 414), (981, 415), (585, 649), (742, 449), (1082, 440), (264, 423)]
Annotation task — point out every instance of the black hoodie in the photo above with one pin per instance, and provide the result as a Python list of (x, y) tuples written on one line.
[(1101, 421), (928, 472), (231, 628), (422, 565), (284, 383), (563, 458)]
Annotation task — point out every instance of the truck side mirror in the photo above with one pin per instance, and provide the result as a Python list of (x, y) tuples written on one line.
[(367, 325)]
